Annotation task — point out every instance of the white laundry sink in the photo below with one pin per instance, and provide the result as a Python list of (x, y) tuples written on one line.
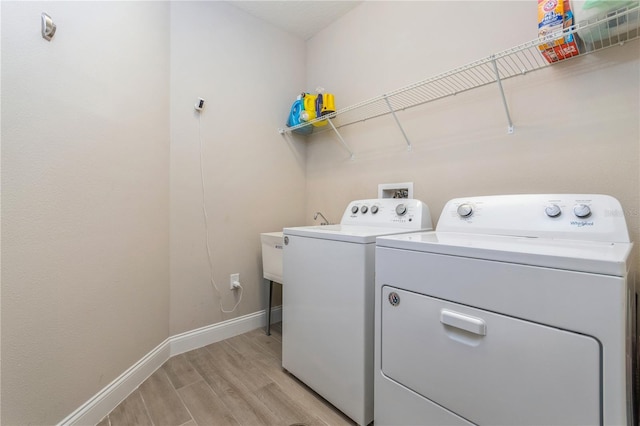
[(272, 255)]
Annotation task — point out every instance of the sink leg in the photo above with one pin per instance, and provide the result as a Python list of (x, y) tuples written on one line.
[(269, 308)]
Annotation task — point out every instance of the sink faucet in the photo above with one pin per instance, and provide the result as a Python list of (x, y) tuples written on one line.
[(315, 217)]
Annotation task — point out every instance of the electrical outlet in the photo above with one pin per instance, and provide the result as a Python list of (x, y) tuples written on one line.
[(234, 278)]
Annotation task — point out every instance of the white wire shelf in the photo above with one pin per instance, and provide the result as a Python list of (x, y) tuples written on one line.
[(593, 35)]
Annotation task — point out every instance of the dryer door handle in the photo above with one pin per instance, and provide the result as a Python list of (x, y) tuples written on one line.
[(464, 322)]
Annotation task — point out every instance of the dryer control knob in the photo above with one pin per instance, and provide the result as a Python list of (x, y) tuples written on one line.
[(374, 209), (364, 209), (465, 210), (401, 209), (582, 211), (354, 209), (553, 210)]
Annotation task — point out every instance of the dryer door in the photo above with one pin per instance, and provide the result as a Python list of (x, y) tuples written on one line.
[(489, 368)]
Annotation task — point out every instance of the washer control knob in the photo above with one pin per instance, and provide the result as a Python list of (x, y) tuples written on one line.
[(553, 210), (364, 209), (354, 209), (401, 209), (582, 210), (465, 210), (374, 209)]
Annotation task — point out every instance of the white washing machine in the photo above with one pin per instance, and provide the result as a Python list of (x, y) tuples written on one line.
[(516, 310), (327, 302)]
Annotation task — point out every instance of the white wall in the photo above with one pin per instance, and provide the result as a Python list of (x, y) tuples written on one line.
[(576, 124), (94, 276), (249, 73), (85, 200)]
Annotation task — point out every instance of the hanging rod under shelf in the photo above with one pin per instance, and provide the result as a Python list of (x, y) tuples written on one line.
[(512, 62)]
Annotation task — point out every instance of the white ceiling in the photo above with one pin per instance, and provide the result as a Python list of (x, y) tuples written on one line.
[(303, 18)]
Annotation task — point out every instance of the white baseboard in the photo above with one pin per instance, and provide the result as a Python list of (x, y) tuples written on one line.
[(102, 403), (207, 335)]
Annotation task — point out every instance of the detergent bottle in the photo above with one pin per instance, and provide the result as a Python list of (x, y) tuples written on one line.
[(325, 103), (328, 104), (310, 107), (294, 119)]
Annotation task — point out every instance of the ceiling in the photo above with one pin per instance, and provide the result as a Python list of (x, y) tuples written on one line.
[(303, 18)]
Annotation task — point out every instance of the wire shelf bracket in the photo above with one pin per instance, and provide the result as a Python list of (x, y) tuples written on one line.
[(386, 99), (504, 99), (344, 144)]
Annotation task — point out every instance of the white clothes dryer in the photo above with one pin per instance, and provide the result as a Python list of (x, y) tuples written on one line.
[(327, 302), (516, 310)]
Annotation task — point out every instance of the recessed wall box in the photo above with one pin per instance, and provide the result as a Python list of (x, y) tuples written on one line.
[(395, 190)]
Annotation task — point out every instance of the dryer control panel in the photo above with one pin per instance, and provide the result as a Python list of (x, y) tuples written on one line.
[(389, 212), (590, 217)]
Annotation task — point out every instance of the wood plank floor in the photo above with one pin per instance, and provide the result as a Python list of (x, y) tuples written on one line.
[(239, 381)]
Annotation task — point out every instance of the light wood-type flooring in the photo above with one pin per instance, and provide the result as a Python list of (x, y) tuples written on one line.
[(238, 381)]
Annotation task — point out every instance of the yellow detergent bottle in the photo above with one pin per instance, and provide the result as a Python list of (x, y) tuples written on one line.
[(328, 104), (309, 101)]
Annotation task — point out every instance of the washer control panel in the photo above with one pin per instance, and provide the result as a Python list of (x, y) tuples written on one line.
[(591, 217), (391, 212)]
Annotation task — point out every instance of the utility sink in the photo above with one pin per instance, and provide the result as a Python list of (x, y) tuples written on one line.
[(272, 255), (271, 265)]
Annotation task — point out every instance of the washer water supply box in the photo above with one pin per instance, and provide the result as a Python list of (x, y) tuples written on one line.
[(272, 255)]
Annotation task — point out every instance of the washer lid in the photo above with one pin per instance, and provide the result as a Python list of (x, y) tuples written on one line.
[(347, 233), (607, 258)]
